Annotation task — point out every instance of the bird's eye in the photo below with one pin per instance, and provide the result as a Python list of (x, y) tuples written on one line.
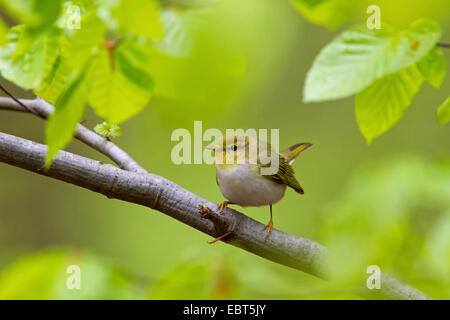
[(234, 147)]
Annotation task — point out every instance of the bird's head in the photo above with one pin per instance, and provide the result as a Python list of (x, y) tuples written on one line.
[(234, 148), (230, 149)]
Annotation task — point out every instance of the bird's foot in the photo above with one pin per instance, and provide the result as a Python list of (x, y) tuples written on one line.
[(223, 205), (269, 228), (220, 238)]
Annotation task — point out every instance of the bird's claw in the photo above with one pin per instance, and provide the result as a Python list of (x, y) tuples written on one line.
[(223, 205), (269, 228), (220, 238)]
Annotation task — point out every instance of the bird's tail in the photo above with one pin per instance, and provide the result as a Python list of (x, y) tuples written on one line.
[(291, 153)]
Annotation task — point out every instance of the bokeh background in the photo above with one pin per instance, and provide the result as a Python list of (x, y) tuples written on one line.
[(387, 203)]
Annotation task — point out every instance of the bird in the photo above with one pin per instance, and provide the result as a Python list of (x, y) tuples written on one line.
[(240, 160)]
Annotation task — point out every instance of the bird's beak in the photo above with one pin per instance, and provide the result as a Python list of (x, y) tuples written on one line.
[(211, 147)]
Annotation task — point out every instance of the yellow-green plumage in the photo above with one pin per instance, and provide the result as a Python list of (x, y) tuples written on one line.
[(285, 172), (285, 175), (291, 153)]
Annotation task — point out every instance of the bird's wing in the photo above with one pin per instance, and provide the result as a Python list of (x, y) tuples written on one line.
[(291, 153), (285, 175)]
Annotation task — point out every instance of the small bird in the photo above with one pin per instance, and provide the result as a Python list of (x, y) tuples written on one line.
[(240, 161)]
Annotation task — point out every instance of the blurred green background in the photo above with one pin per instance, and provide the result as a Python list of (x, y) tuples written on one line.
[(387, 203)]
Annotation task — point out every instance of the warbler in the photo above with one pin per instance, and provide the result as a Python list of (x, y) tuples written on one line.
[(250, 173)]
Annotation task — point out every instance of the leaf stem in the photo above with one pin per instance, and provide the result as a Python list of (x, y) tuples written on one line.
[(443, 44)]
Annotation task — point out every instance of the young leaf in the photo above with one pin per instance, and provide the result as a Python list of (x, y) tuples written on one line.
[(381, 105), (359, 56), (85, 40), (55, 80), (433, 67), (68, 112), (44, 275), (51, 60), (36, 14), (177, 27), (443, 112), (108, 130), (121, 87), (140, 17), (74, 50), (53, 40), (3, 32), (329, 13), (25, 69)]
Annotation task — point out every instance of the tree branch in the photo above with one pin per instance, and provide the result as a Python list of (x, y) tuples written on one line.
[(18, 102), (43, 109), (158, 193)]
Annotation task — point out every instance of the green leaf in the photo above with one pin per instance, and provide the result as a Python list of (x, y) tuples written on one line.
[(53, 84), (108, 130), (36, 14), (140, 17), (51, 59), (46, 275), (328, 13), (27, 68), (381, 217), (179, 27), (443, 112), (131, 61), (121, 87), (186, 281), (3, 32), (30, 277), (438, 249), (433, 67), (84, 41), (53, 40), (381, 105), (74, 51), (68, 112), (359, 56)]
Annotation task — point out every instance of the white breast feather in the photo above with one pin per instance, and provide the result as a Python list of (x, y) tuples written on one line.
[(244, 188)]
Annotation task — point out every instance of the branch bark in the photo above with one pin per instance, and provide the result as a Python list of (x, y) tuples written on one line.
[(158, 193)]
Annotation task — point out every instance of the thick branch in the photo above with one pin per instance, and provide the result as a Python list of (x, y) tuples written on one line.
[(109, 149), (163, 195)]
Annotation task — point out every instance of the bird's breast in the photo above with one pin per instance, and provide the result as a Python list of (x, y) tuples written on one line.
[(243, 185)]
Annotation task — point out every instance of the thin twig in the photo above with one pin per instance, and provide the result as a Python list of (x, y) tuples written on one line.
[(44, 109), (19, 102), (443, 44)]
